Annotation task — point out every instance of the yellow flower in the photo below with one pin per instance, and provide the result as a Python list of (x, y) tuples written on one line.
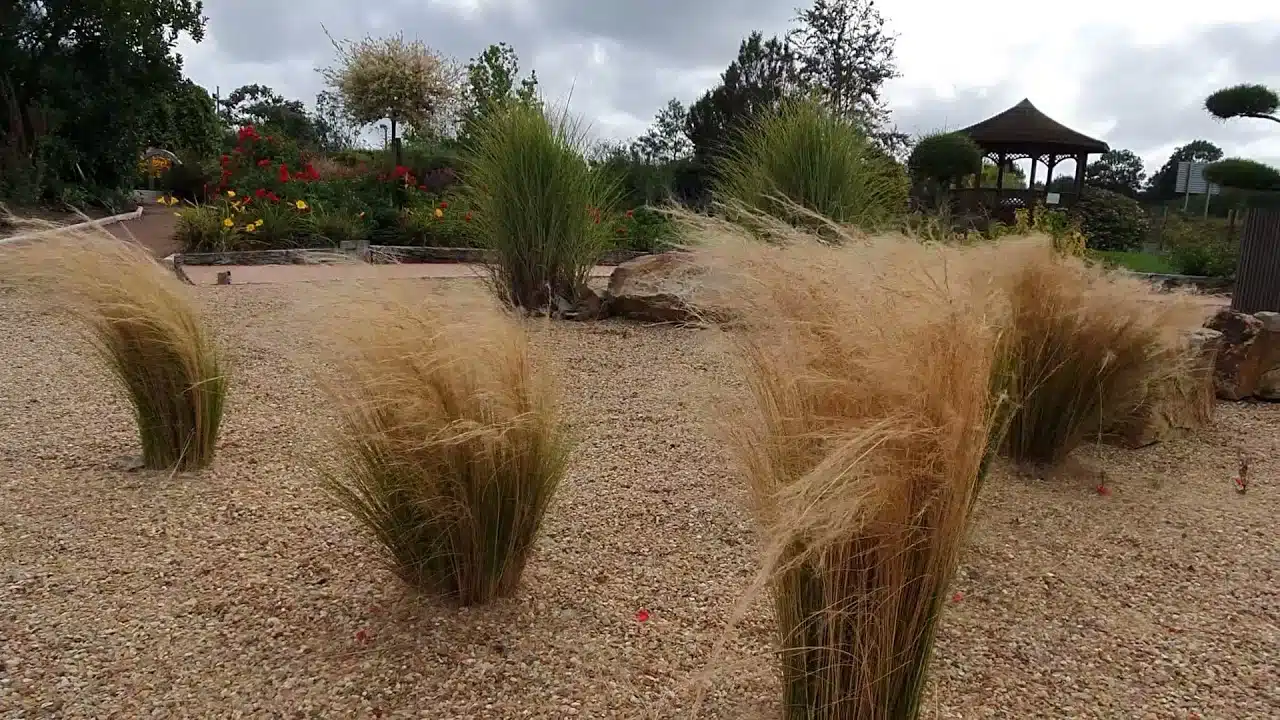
[(162, 200), (439, 213), (301, 205), (257, 223), (226, 222), (177, 214), (231, 193), (250, 227)]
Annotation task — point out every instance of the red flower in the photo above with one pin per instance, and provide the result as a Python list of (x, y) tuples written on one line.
[(224, 159), (362, 635), (1103, 490), (272, 196), (284, 173), (260, 192), (444, 205), (957, 597), (264, 162), (400, 171), (423, 188), (236, 150), (631, 213), (642, 615), (310, 172), (467, 217)]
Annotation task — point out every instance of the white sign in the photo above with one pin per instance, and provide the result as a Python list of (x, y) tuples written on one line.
[(1191, 180), (1052, 198)]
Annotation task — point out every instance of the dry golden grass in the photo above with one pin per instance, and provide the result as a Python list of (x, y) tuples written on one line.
[(870, 367), (138, 317), (451, 442), (1086, 346)]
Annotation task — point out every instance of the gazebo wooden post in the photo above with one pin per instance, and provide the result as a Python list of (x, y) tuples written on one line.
[(1081, 160), (1031, 191), (1000, 161)]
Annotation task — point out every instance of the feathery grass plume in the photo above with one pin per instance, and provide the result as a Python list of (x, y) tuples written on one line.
[(1086, 345), (803, 155), (451, 442), (870, 367), (538, 204), (142, 324)]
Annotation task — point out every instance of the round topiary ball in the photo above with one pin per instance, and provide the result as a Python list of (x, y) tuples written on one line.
[(1243, 174), (943, 157)]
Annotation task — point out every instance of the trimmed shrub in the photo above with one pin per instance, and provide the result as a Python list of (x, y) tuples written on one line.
[(538, 205), (943, 157), (802, 160), (1109, 220), (451, 444), (142, 325), (1200, 246)]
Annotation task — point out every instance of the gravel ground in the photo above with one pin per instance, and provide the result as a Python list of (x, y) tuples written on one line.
[(239, 592)]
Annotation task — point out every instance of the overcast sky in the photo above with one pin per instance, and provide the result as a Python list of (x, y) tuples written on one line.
[(1135, 74)]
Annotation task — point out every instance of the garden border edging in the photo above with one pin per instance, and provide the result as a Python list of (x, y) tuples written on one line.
[(374, 254)]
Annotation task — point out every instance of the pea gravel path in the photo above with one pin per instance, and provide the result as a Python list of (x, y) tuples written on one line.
[(239, 593)]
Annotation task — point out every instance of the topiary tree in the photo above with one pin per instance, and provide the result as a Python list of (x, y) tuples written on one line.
[(943, 157), (1109, 220), (394, 79), (1243, 174), (1251, 101)]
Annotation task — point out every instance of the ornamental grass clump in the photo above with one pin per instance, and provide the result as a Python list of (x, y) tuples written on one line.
[(863, 444), (140, 320), (1086, 347), (539, 205), (451, 443)]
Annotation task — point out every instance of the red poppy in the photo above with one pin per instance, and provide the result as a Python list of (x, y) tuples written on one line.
[(631, 213), (272, 196), (264, 162), (224, 159), (642, 615), (260, 192), (284, 173), (1103, 490), (400, 171), (444, 205)]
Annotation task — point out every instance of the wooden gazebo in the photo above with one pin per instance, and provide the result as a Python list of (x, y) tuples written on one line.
[(1020, 132)]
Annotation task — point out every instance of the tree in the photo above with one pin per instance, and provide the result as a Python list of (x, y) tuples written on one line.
[(262, 107), (763, 74), (185, 121), (1243, 174), (1244, 101), (1118, 171), (394, 79), (944, 157), (491, 82), (1015, 178), (1162, 184), (78, 79), (334, 131), (845, 56), (665, 141)]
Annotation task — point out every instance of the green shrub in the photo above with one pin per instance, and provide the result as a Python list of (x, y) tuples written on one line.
[(1243, 174), (943, 157), (1109, 220), (804, 155), (199, 230), (189, 181), (1199, 246), (451, 444), (644, 229), (142, 324), (537, 204), (338, 226)]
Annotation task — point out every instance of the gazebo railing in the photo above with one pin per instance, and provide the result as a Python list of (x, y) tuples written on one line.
[(990, 199)]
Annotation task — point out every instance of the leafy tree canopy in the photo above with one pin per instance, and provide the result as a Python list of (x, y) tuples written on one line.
[(665, 140), (492, 82), (1244, 101), (1162, 184), (1119, 171), (1243, 174)]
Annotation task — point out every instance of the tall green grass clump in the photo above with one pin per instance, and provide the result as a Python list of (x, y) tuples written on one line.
[(863, 444), (538, 204), (143, 325), (451, 444), (803, 155), (1086, 347)]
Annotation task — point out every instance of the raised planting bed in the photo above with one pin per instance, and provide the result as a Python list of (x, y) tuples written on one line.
[(371, 254)]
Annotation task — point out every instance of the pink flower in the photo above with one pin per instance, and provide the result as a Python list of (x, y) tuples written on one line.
[(642, 615)]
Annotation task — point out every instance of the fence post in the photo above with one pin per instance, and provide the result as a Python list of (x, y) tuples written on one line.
[(1258, 270)]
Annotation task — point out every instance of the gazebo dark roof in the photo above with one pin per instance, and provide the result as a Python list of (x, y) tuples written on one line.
[(1024, 129)]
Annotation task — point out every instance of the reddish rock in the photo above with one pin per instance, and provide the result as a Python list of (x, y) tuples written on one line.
[(1240, 359)]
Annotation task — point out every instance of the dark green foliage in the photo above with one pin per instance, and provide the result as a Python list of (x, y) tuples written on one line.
[(1249, 101), (1201, 246), (943, 157), (1109, 220), (1243, 174), (492, 83), (761, 77), (1119, 171), (184, 121)]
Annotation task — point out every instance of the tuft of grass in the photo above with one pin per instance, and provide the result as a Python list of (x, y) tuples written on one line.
[(1085, 345), (863, 445), (146, 329), (199, 230), (451, 442), (803, 155), (538, 203)]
